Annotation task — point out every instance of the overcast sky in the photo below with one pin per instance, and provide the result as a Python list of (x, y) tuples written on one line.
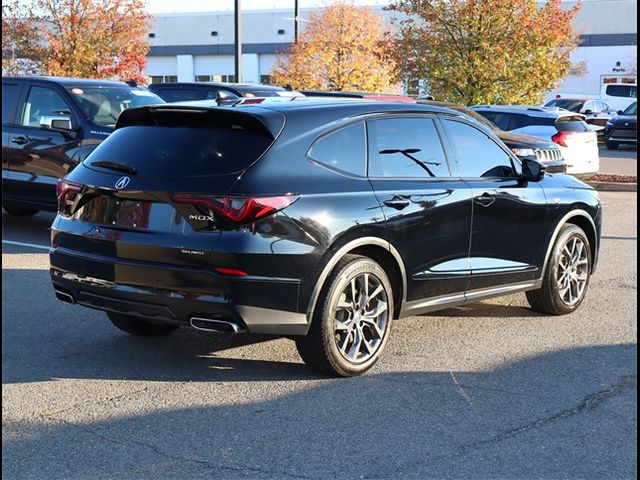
[(171, 6)]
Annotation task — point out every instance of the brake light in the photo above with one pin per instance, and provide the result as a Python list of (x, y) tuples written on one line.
[(560, 138), (237, 209), (66, 193), (231, 272)]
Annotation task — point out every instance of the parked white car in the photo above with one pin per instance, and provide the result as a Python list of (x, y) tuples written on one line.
[(576, 139)]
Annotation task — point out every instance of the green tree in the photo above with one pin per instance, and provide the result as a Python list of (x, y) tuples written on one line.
[(343, 47), (77, 38), (485, 51)]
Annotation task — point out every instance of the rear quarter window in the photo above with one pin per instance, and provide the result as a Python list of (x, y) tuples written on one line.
[(571, 125), (343, 150)]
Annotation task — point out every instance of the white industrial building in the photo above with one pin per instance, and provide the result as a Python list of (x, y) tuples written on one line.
[(200, 46)]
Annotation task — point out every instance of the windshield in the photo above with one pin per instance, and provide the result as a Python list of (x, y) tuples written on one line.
[(631, 109), (571, 105), (103, 105)]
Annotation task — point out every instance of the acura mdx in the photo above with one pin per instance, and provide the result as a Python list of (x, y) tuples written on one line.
[(317, 219)]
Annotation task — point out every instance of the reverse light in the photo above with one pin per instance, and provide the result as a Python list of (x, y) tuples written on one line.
[(237, 209), (561, 137)]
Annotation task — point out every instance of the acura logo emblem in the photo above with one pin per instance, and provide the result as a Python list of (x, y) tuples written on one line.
[(122, 182)]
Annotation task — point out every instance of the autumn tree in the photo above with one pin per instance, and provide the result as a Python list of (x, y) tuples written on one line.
[(343, 47), (485, 51), (78, 38)]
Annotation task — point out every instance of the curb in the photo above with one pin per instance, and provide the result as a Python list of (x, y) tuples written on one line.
[(614, 186)]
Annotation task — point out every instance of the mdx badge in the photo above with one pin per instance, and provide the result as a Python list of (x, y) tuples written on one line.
[(122, 182), (202, 218)]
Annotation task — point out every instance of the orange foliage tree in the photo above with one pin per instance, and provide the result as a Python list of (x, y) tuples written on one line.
[(485, 51), (343, 47), (79, 38)]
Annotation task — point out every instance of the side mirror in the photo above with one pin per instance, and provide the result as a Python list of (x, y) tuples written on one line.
[(532, 170), (619, 112), (588, 111), (56, 122)]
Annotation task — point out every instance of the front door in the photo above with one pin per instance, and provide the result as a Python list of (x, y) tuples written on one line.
[(508, 238), (37, 153), (427, 210)]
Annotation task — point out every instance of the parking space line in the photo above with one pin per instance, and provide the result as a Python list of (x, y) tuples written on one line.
[(23, 244)]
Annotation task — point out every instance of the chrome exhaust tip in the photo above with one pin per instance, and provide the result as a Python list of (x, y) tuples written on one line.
[(64, 297), (215, 325)]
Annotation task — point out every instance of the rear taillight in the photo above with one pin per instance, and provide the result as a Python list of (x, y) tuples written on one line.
[(560, 138), (66, 192), (237, 209)]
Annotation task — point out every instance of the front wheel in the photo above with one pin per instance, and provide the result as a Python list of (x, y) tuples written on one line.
[(139, 326), (353, 319), (565, 282), (612, 145)]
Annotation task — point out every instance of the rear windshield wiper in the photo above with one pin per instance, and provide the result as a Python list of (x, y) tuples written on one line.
[(407, 153), (121, 167)]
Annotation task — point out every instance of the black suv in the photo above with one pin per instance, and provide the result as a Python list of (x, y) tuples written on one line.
[(222, 93), (318, 219), (49, 124)]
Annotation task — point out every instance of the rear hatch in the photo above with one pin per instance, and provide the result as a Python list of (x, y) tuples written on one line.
[(580, 142), (152, 191)]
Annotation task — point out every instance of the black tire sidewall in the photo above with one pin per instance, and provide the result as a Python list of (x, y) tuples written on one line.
[(566, 233), (357, 267)]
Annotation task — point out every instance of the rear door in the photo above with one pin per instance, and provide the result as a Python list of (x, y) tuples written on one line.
[(427, 209), (37, 152), (509, 230), (11, 90)]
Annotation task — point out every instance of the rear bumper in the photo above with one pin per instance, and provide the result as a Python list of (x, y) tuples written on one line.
[(256, 304)]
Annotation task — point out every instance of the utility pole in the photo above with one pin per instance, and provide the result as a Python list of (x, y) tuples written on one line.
[(295, 22), (238, 40)]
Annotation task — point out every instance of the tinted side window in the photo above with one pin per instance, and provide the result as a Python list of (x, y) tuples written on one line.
[(626, 91), (343, 149), (571, 125), (405, 147), (10, 93), (529, 120), (479, 155), (41, 102), (177, 94)]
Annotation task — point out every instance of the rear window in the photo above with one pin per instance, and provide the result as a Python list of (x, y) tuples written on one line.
[(571, 124), (625, 91), (161, 151), (571, 105)]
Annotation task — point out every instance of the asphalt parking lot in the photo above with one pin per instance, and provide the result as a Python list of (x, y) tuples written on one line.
[(623, 161), (492, 390)]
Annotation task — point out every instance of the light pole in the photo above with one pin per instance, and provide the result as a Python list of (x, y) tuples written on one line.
[(295, 22), (238, 41)]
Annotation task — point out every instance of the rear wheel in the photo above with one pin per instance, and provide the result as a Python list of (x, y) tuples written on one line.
[(353, 319), (19, 211), (612, 145), (565, 282), (139, 326)]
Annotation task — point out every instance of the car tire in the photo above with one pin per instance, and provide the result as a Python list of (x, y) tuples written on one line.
[(612, 145), (349, 331), (140, 327), (20, 211), (566, 279)]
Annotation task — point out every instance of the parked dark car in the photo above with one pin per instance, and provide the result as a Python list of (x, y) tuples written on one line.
[(321, 220), (524, 146), (363, 95), (595, 112), (622, 129), (49, 124), (223, 93)]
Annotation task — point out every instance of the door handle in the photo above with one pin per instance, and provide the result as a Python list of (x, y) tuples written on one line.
[(398, 202), (20, 140), (486, 199)]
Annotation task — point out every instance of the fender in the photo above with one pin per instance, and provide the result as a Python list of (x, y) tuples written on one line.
[(360, 242)]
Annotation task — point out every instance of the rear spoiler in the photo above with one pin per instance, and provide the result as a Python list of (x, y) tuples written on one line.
[(175, 115)]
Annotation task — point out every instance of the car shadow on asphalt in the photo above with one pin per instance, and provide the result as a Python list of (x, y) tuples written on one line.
[(568, 413)]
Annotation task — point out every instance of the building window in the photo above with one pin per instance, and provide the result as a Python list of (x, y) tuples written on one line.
[(281, 32), (214, 34), (228, 78), (164, 78), (203, 78), (266, 79), (156, 79)]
